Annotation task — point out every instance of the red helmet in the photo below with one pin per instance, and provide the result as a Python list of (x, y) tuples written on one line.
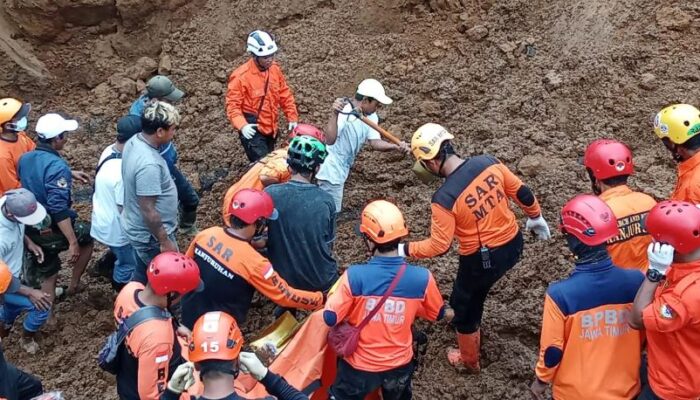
[(676, 223), (250, 205), (173, 272), (608, 159), (215, 336), (307, 130), (589, 219)]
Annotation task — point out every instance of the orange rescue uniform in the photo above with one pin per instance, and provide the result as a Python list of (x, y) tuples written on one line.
[(688, 184), (246, 91), (587, 348), (473, 205), (232, 270), (153, 351), (272, 169), (386, 342), (629, 248), (672, 326), (10, 153)]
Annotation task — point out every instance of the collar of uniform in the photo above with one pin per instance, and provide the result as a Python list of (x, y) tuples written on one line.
[(689, 164), (253, 68), (47, 148), (380, 260), (597, 266), (615, 192), (680, 270)]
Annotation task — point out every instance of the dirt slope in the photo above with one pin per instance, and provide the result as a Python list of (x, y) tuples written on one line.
[(530, 81)]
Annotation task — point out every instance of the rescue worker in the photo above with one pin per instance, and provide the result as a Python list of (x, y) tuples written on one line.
[(229, 264), (13, 140), (587, 349), (308, 217), (666, 306), (678, 127), (15, 384), (149, 217), (161, 88), (256, 92), (471, 205), (106, 224), (609, 165), (268, 170), (49, 177), (152, 348), (346, 134), (215, 350), (17, 208), (383, 358)]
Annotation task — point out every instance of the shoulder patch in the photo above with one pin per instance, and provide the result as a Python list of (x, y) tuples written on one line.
[(666, 312), (62, 182)]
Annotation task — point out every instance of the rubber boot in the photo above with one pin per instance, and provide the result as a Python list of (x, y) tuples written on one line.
[(188, 222), (467, 355)]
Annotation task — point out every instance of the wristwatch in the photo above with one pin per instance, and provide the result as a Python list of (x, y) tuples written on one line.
[(654, 275)]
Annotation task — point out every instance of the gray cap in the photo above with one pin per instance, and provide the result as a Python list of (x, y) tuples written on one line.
[(22, 204), (162, 87)]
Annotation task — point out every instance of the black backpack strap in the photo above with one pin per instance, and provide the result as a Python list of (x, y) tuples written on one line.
[(144, 314), (112, 156)]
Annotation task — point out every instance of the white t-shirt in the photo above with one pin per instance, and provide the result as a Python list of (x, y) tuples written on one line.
[(106, 226), (352, 134), (11, 242)]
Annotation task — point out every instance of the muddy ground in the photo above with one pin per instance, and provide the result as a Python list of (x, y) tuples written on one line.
[(530, 81)]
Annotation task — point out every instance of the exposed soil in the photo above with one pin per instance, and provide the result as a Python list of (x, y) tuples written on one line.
[(530, 81)]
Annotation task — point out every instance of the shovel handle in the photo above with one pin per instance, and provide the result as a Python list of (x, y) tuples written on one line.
[(386, 134)]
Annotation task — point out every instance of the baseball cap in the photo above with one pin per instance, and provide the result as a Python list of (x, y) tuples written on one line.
[(162, 87), (51, 125), (372, 88), (128, 126), (22, 204)]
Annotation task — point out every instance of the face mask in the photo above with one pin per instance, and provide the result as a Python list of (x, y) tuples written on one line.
[(423, 174), (21, 125)]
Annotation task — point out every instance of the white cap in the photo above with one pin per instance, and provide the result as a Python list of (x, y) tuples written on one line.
[(51, 125), (372, 88)]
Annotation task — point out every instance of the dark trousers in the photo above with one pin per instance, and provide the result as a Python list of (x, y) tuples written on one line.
[(258, 146), (473, 283), (189, 200), (353, 384), (20, 385)]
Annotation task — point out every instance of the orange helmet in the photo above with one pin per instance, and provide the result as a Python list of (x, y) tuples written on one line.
[(382, 222), (215, 336), (5, 277)]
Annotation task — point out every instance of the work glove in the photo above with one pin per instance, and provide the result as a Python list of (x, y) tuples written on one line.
[(182, 378), (292, 125), (539, 226), (251, 365), (660, 257), (248, 131)]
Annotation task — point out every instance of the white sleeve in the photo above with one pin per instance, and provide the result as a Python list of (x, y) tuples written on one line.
[(371, 133), (119, 193)]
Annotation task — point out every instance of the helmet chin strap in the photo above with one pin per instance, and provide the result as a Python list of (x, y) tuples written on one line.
[(257, 63)]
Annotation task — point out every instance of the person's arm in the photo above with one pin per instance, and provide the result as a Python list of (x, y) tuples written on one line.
[(644, 297), (339, 303), (278, 387), (520, 193), (442, 229), (287, 102), (332, 125), (41, 300), (432, 307), (8, 180), (66, 228), (234, 102), (380, 145), (151, 217), (271, 285), (552, 345), (34, 249), (153, 363), (665, 313)]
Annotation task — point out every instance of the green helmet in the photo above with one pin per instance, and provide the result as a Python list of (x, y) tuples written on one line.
[(306, 153)]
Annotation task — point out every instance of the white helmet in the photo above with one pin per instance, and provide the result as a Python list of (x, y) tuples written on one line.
[(261, 44)]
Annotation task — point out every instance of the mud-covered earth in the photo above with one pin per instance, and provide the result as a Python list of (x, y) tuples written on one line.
[(529, 81)]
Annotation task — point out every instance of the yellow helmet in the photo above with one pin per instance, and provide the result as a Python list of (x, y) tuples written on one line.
[(426, 141), (677, 122)]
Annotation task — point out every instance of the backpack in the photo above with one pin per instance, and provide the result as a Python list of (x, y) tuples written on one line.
[(108, 358)]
